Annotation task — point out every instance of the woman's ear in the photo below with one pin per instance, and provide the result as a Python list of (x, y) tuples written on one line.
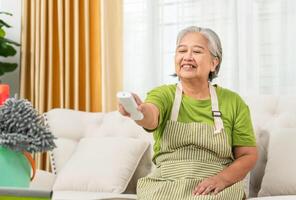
[(215, 64)]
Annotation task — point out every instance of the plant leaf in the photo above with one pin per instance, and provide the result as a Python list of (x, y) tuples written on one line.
[(6, 50), (2, 23), (2, 33), (7, 67), (5, 13), (10, 41)]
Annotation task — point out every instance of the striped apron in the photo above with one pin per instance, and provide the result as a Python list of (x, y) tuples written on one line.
[(190, 152)]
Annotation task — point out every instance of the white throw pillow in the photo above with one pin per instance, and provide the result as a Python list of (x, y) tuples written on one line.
[(280, 176), (113, 124), (101, 165)]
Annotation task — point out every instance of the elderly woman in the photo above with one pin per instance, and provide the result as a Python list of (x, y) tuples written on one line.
[(204, 139)]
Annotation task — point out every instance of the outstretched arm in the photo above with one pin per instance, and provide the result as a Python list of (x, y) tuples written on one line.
[(149, 110)]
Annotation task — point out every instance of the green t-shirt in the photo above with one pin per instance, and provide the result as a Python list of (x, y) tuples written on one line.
[(235, 113)]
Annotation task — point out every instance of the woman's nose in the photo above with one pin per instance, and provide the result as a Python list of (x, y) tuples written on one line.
[(188, 55)]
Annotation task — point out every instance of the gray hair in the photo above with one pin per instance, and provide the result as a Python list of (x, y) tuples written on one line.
[(214, 44)]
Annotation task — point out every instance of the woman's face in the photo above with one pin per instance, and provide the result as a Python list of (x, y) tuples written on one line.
[(193, 59)]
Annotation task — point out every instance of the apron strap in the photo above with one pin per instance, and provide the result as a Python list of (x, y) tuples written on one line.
[(215, 110), (215, 107), (177, 102)]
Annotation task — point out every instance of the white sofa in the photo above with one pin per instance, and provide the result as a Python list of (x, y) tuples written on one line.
[(273, 118), (73, 127), (274, 121)]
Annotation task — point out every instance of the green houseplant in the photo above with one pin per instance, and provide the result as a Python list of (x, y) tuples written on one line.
[(7, 47)]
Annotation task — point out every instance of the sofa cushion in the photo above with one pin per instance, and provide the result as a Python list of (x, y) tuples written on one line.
[(65, 147), (113, 124), (101, 165), (280, 176), (68, 126), (268, 113), (43, 180)]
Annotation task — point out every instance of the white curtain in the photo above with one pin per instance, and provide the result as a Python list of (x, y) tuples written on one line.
[(258, 40)]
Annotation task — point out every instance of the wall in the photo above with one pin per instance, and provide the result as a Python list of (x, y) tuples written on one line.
[(14, 33)]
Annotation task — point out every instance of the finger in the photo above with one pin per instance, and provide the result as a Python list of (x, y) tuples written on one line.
[(141, 108), (199, 190), (208, 190), (137, 99), (217, 190), (194, 192), (122, 110)]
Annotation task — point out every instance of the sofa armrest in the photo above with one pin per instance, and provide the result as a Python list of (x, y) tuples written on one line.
[(43, 180)]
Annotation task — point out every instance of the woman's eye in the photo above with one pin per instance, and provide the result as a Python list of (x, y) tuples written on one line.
[(196, 51), (181, 51)]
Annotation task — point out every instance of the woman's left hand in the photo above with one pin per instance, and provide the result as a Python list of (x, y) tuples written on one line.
[(213, 184)]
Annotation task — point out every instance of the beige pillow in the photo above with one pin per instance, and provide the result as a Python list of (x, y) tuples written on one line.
[(101, 165), (280, 177)]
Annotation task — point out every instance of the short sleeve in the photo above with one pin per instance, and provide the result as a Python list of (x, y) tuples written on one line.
[(243, 132), (159, 97)]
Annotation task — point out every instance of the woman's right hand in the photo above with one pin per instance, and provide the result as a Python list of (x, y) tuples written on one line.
[(149, 110), (124, 112)]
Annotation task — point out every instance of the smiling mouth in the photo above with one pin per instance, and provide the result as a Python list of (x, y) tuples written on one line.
[(188, 67)]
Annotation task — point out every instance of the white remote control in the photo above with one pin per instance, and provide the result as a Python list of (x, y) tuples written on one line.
[(127, 100)]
